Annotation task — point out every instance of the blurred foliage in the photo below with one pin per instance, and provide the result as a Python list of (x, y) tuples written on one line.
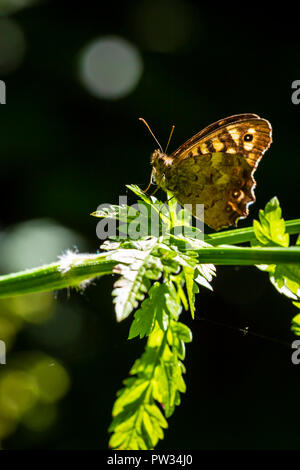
[(30, 386), (34, 308)]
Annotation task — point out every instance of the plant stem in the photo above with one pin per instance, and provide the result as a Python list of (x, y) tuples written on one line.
[(235, 255), (243, 235), (74, 269), (56, 275)]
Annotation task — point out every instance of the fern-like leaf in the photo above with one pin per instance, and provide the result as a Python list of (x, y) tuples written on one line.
[(270, 231), (137, 268), (156, 381)]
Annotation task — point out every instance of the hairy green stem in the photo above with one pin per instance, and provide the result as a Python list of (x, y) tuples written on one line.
[(73, 269), (56, 275)]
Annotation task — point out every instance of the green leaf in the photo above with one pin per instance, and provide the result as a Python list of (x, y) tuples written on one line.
[(182, 332), (172, 253), (270, 230), (136, 268), (156, 378), (159, 207), (168, 380), (191, 287), (139, 192), (116, 212), (296, 324), (286, 279), (152, 309), (137, 421), (200, 274), (137, 427)]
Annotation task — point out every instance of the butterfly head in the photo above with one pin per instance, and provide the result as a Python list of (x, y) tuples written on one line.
[(160, 162), (157, 158)]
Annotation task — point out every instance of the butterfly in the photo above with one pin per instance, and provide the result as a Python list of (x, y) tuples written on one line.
[(215, 168)]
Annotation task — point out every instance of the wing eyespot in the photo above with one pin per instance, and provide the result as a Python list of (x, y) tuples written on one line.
[(248, 137)]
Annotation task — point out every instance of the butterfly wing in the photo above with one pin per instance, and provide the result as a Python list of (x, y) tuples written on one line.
[(216, 167), (222, 123)]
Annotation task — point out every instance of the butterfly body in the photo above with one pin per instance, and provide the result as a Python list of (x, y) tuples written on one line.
[(215, 168)]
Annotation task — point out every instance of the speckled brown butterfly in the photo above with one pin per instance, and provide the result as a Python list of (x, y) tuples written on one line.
[(216, 167)]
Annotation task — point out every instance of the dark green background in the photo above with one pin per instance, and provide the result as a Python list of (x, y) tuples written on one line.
[(63, 152)]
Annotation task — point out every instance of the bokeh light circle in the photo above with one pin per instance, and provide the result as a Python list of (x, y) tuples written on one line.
[(34, 242), (110, 67), (52, 379), (18, 393), (12, 46), (12, 6)]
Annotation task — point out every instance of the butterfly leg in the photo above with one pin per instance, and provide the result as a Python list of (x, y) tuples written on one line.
[(151, 182)]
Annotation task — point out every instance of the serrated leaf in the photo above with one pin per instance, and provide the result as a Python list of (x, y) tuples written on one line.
[(123, 212), (136, 268), (181, 296), (137, 190), (156, 205), (156, 377), (270, 230), (286, 279), (152, 309), (260, 231), (183, 332), (191, 287)]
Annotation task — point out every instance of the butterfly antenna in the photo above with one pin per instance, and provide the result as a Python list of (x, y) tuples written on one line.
[(170, 137), (148, 127)]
